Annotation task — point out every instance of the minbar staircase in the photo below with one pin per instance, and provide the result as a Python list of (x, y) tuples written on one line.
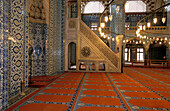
[(106, 54)]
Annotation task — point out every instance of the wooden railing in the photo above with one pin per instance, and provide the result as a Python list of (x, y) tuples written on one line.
[(149, 63), (111, 56)]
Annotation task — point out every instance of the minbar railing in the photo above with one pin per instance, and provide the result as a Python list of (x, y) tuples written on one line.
[(93, 65), (149, 63)]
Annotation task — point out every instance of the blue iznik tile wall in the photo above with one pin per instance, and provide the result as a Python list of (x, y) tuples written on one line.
[(55, 47), (37, 49), (60, 34), (51, 56), (18, 46), (118, 23), (3, 54), (26, 35)]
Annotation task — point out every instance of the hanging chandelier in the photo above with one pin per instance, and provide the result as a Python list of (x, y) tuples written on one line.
[(155, 19)]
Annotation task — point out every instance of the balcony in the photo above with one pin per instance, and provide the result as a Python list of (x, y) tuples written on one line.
[(152, 30)]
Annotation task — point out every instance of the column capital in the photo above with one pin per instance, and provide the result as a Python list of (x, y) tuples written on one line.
[(119, 2), (119, 37)]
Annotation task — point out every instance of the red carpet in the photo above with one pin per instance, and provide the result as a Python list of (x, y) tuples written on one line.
[(41, 81), (60, 91), (150, 103), (43, 107), (134, 88), (86, 108), (97, 87), (99, 93), (102, 83), (138, 89), (101, 101), (141, 94), (129, 84), (63, 86), (53, 98)]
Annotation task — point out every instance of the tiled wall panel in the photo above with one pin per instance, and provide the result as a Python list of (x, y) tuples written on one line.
[(26, 34), (3, 54), (18, 49), (37, 44), (51, 32), (55, 48)]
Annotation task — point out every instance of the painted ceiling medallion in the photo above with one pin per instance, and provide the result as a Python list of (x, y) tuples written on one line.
[(85, 51)]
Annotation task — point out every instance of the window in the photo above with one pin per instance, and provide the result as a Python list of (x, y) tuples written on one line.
[(135, 6), (93, 26), (94, 7), (127, 54), (74, 10), (127, 25), (140, 54)]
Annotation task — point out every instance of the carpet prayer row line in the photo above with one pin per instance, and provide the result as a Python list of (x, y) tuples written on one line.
[(137, 89)]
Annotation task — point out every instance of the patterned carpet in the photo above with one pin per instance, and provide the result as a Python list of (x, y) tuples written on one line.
[(40, 81), (137, 89)]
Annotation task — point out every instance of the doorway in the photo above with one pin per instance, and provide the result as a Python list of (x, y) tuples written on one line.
[(72, 56)]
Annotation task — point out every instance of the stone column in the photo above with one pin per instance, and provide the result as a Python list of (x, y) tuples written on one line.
[(168, 52), (168, 24), (146, 58), (97, 65), (79, 8), (168, 13), (87, 66), (118, 22), (119, 47), (55, 38)]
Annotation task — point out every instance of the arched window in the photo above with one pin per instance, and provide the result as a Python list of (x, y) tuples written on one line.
[(135, 6), (94, 7)]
